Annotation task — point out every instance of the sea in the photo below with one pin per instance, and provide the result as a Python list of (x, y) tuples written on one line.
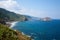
[(40, 30)]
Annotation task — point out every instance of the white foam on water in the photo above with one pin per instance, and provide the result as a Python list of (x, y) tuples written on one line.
[(13, 24), (54, 39), (32, 39), (23, 33)]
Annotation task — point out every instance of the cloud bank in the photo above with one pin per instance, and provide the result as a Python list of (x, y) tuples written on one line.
[(14, 6), (10, 5)]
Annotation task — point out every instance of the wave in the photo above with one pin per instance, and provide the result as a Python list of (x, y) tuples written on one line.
[(13, 24)]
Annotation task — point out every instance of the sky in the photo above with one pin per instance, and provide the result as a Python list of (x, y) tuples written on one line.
[(36, 8)]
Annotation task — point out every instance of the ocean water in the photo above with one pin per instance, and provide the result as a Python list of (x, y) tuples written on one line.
[(40, 30)]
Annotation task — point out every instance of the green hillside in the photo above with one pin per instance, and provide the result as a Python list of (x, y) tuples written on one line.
[(9, 34), (10, 16), (5, 32)]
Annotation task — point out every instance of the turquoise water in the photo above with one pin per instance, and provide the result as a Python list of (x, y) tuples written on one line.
[(40, 30)]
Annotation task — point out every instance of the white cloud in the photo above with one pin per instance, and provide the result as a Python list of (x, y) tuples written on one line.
[(12, 5), (35, 13)]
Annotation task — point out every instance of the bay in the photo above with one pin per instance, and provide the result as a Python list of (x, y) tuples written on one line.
[(40, 30)]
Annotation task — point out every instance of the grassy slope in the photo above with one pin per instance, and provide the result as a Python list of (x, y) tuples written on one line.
[(9, 34)]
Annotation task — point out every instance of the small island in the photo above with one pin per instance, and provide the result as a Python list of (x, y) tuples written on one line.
[(46, 19)]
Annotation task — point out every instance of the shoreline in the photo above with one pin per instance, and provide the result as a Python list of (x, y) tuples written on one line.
[(12, 24)]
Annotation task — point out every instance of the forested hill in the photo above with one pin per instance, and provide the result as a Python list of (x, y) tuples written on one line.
[(10, 16), (5, 32)]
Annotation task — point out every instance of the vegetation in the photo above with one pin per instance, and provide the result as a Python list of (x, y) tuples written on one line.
[(9, 34), (10, 16), (5, 32)]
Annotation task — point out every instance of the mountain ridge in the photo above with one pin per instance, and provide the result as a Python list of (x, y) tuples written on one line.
[(10, 16)]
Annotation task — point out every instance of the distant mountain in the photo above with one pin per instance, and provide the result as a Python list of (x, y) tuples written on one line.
[(10, 16), (36, 18), (5, 32), (31, 17)]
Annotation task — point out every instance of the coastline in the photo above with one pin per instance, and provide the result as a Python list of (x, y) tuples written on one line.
[(12, 24)]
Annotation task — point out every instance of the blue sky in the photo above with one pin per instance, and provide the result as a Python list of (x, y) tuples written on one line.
[(37, 8), (52, 7), (40, 4)]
